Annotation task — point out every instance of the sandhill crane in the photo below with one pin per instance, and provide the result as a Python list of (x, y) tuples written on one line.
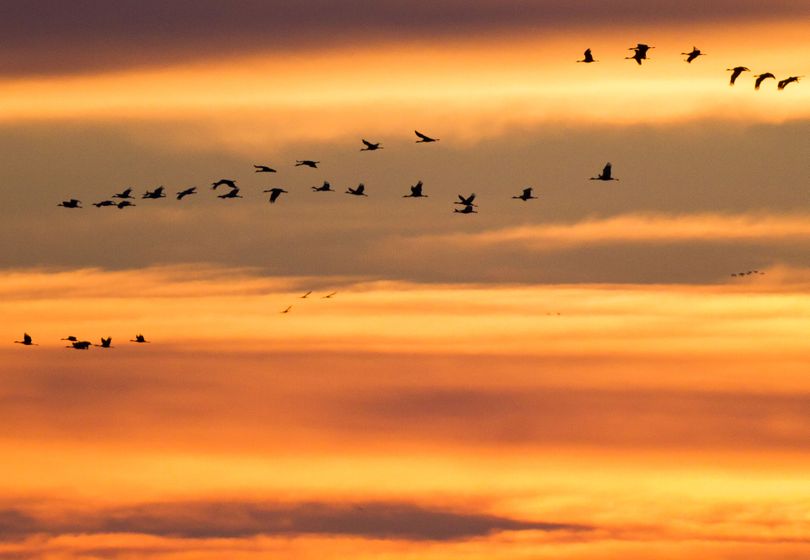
[(275, 192), (305, 295), (263, 169), (139, 339), (525, 195), (286, 310), (370, 146), (326, 187), (762, 77), (468, 209), (124, 204), (72, 203), (329, 296), (157, 193), (359, 191), (468, 201), (606, 174), (423, 138), (640, 53), (105, 343), (187, 192), (104, 203), (227, 182), (126, 193), (783, 83), (70, 338), (80, 345), (233, 193), (735, 73), (588, 57), (26, 341), (416, 191), (690, 56), (308, 162)]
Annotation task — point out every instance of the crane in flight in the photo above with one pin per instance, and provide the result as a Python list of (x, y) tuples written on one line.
[(72, 203), (139, 338), (695, 52), (233, 193), (227, 182), (468, 209), (157, 193), (307, 162), (264, 169), (783, 83), (126, 193), (424, 138), (326, 187), (124, 204), (370, 146), (735, 73), (761, 78), (466, 201), (640, 53), (416, 191), (275, 192), (105, 343), (80, 345), (606, 174), (104, 203), (26, 341), (359, 191), (588, 57), (525, 195), (186, 192)]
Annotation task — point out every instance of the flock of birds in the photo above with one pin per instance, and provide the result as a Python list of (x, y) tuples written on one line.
[(77, 344)]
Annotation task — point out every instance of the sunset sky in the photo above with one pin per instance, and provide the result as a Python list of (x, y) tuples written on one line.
[(573, 377)]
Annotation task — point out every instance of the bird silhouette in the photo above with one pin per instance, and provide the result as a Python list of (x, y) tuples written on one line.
[(233, 193), (690, 56), (423, 138), (305, 295), (157, 193), (307, 162), (326, 187), (606, 174), (126, 193), (187, 192), (468, 201), (762, 77), (139, 339), (105, 343), (264, 169), (286, 310), (468, 209), (588, 57), (72, 203), (416, 191), (227, 182), (359, 191), (640, 53), (124, 204), (735, 73), (370, 146), (26, 341), (104, 203), (526, 194), (783, 83), (70, 338), (275, 192), (80, 345), (329, 296)]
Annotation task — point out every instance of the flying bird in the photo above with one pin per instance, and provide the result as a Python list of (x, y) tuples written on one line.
[(468, 209), (227, 182), (326, 187), (606, 174), (275, 192), (140, 339), (423, 138), (359, 191), (735, 73), (588, 57), (124, 204), (783, 83), (105, 343), (70, 338), (416, 191), (104, 203), (690, 56), (305, 295), (640, 53), (307, 162), (187, 192), (80, 345), (264, 169), (468, 201), (370, 146), (157, 193), (526, 194), (26, 341), (761, 78), (72, 203), (126, 193), (233, 193), (286, 310), (329, 296)]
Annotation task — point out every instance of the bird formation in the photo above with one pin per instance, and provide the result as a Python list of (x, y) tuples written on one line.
[(747, 273), (76, 344)]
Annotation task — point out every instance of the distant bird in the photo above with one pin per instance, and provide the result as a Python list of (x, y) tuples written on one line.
[(370, 146), (305, 295), (762, 77), (735, 73), (80, 345), (227, 182), (326, 187), (105, 343), (329, 296), (139, 339), (104, 203), (468, 209), (526, 194), (606, 174), (70, 338), (275, 192), (783, 83), (640, 53), (157, 193), (124, 204), (416, 191), (187, 192), (468, 201), (588, 57), (26, 341), (307, 162), (423, 138), (72, 203), (126, 193), (359, 191), (264, 169), (690, 56), (233, 193), (286, 310)]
